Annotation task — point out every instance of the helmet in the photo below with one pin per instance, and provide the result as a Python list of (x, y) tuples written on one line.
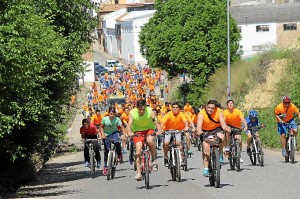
[(253, 114), (286, 98)]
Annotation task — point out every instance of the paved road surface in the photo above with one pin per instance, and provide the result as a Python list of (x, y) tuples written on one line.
[(66, 177)]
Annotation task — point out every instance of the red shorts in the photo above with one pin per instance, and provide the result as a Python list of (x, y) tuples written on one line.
[(137, 139)]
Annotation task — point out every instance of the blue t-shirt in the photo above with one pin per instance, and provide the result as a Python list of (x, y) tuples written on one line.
[(252, 124), (110, 126)]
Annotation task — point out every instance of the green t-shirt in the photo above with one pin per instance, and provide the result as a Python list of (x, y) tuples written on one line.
[(142, 123), (110, 126)]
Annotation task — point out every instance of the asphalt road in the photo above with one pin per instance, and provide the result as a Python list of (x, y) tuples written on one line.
[(66, 177)]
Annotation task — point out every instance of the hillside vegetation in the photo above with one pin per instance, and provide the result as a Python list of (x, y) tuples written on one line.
[(259, 83)]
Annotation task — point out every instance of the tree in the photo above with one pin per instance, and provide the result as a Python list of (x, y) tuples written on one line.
[(41, 47), (189, 36)]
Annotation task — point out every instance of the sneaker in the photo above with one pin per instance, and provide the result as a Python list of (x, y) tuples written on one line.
[(138, 177), (227, 149), (166, 161), (221, 159), (124, 151), (248, 151), (190, 152), (104, 171), (131, 161), (154, 165), (283, 152), (241, 160), (206, 172), (86, 164), (98, 164)]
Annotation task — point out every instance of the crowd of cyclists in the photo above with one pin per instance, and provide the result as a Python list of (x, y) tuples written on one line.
[(146, 114)]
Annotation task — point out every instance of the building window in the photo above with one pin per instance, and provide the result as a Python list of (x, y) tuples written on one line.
[(116, 1), (257, 48), (290, 26), (118, 31), (262, 28)]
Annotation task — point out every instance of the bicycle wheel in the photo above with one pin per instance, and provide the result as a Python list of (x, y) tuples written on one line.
[(109, 164), (146, 158), (199, 145), (252, 153), (260, 153), (217, 168), (171, 166), (186, 153), (292, 144), (231, 157), (237, 156), (178, 166), (287, 156), (92, 162)]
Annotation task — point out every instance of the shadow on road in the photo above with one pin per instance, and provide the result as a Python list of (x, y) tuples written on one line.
[(221, 185), (151, 186), (44, 191)]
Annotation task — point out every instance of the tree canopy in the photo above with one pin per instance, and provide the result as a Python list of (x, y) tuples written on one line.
[(41, 47), (189, 36)]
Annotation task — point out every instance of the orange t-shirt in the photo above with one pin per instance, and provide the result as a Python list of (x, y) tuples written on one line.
[(187, 108), (125, 118), (207, 124), (233, 118), (172, 122), (281, 109), (96, 119)]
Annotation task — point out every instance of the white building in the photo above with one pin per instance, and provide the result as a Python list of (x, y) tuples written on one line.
[(262, 26)]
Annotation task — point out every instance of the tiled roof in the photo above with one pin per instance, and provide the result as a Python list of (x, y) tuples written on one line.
[(266, 13), (112, 7)]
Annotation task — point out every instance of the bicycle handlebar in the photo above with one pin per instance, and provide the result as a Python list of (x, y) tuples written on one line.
[(167, 132), (90, 140)]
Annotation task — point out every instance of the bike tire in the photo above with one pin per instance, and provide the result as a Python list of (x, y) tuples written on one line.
[(217, 168), (109, 165), (252, 154), (292, 155), (92, 163), (232, 157), (186, 153), (147, 170), (287, 157), (199, 146), (238, 156), (178, 165)]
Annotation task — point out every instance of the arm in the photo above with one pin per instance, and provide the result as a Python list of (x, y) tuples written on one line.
[(157, 123), (129, 125), (199, 124), (245, 123), (102, 131), (222, 122)]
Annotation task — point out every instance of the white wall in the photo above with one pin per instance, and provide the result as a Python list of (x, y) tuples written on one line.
[(127, 42), (252, 38), (89, 75)]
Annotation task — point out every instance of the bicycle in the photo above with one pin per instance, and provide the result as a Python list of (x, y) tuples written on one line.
[(146, 166), (234, 150), (214, 165), (175, 156), (90, 143), (256, 151), (290, 146), (112, 159)]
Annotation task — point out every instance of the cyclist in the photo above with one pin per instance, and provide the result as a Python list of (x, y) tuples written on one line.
[(97, 118), (252, 121), (89, 131), (284, 114), (142, 121), (109, 129), (173, 120), (233, 118), (211, 120)]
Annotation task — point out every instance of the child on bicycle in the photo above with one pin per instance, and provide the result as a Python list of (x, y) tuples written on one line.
[(252, 122)]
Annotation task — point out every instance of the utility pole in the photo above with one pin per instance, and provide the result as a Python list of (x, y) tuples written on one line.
[(228, 52)]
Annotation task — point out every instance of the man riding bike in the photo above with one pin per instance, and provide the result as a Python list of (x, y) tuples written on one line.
[(142, 122), (89, 131), (109, 129), (284, 114), (211, 120), (173, 120), (234, 118)]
